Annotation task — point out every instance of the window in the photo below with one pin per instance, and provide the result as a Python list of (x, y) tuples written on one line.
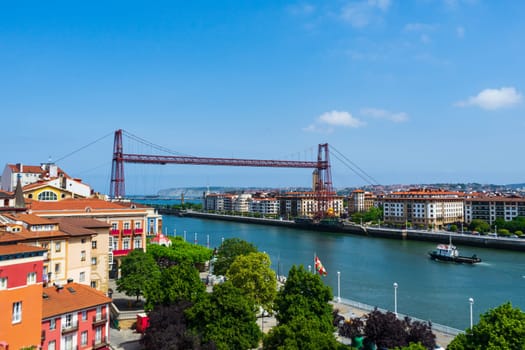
[(93, 261), (125, 243), (84, 315), (83, 255), (31, 278), (98, 335), (114, 225), (17, 312), (99, 313), (126, 226), (82, 277), (57, 268), (47, 196), (115, 243), (93, 284), (83, 338), (93, 244), (58, 247), (3, 282), (51, 345), (137, 224), (68, 342), (52, 324), (137, 243)]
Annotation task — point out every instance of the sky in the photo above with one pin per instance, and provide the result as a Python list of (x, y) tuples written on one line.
[(411, 91)]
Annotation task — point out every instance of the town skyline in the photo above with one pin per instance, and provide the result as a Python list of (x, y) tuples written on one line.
[(417, 91)]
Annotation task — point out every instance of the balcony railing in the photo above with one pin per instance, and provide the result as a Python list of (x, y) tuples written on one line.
[(71, 327), (121, 252), (114, 232), (100, 343), (99, 319), (138, 231), (126, 231)]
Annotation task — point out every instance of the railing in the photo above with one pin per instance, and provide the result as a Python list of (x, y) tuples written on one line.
[(126, 231), (98, 319), (71, 327), (114, 232), (138, 231), (121, 252), (100, 342)]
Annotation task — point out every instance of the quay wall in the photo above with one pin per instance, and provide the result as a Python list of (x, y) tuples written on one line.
[(515, 244)]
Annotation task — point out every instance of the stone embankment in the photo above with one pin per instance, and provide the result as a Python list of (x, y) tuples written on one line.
[(516, 244)]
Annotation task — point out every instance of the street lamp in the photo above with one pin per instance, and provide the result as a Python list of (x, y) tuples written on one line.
[(395, 298), (338, 286), (471, 302)]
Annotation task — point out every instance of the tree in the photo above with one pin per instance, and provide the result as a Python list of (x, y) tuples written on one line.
[(253, 276), (168, 329), (228, 251), (479, 225), (501, 328), (226, 318), (138, 271), (179, 251), (304, 294), (176, 283)]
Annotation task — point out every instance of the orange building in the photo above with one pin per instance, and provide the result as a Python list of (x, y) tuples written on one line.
[(20, 296)]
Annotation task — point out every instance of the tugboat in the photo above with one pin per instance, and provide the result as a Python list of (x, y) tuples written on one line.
[(449, 252)]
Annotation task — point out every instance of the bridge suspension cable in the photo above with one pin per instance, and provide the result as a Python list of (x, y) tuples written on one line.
[(354, 167), (83, 147)]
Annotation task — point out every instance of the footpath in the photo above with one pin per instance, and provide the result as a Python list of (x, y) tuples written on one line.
[(126, 338)]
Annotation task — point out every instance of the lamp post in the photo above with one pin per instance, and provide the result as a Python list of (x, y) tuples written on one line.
[(471, 302), (395, 298), (338, 286)]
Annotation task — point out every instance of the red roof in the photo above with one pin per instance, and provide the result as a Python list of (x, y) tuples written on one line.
[(71, 297)]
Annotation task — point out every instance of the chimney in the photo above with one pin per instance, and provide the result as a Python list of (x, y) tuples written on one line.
[(20, 167)]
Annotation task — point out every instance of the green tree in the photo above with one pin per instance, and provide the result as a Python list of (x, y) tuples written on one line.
[(253, 276), (413, 346), (226, 318), (501, 328), (176, 283), (479, 225), (138, 271), (228, 251), (179, 251)]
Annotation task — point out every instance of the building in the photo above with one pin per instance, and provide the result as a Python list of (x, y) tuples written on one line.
[(48, 181), (218, 202), (74, 316), (20, 296), (306, 204), (430, 208), (492, 207), (264, 206)]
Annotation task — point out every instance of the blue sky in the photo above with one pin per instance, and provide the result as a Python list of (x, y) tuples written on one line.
[(412, 91)]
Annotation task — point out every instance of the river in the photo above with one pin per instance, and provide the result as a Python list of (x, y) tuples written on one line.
[(369, 267)]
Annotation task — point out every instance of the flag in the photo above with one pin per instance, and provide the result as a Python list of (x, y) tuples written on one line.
[(319, 267)]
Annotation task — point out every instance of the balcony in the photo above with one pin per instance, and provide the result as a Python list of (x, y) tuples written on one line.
[(121, 252), (99, 320), (138, 231), (71, 327), (126, 231), (114, 232), (100, 343)]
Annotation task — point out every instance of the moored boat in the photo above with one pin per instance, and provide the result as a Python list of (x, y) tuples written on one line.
[(449, 252)]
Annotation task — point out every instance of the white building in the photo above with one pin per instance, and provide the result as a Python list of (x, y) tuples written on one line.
[(264, 206)]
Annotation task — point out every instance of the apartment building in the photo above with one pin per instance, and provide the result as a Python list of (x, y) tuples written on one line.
[(492, 207), (218, 202), (306, 204), (431, 208), (360, 201), (264, 206), (74, 316), (20, 295)]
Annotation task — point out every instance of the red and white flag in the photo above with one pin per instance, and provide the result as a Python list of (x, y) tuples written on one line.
[(319, 267)]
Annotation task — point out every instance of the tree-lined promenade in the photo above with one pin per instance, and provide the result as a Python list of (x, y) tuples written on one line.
[(184, 316)]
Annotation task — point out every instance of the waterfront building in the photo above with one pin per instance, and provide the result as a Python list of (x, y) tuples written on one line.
[(492, 207), (306, 204), (47, 180), (430, 208), (74, 316), (218, 202), (241, 203), (264, 206), (129, 222), (20, 296), (360, 201)]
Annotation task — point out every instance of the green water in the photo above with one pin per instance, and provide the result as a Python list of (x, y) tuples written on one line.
[(369, 266)]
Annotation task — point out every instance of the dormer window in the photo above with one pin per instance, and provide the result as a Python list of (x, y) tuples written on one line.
[(47, 196)]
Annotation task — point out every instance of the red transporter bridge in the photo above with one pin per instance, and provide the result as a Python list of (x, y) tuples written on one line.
[(322, 176)]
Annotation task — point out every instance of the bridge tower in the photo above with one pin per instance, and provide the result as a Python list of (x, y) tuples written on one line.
[(117, 189)]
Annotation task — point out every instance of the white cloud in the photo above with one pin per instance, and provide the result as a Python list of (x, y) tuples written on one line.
[(396, 117), (360, 14), (493, 99), (327, 122)]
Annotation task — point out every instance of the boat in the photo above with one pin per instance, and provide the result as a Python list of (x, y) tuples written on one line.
[(449, 252)]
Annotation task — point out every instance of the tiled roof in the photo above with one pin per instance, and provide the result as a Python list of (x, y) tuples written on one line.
[(31, 219), (35, 169), (11, 237), (83, 222), (77, 204), (66, 300), (19, 248), (74, 230)]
